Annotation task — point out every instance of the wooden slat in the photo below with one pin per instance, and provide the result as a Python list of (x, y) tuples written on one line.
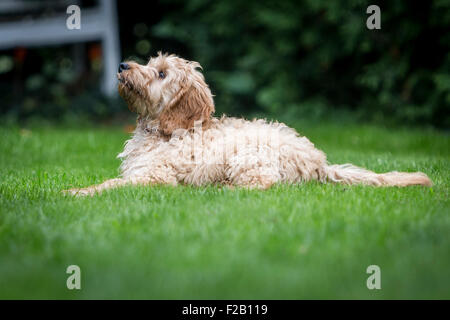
[(51, 31), (14, 6)]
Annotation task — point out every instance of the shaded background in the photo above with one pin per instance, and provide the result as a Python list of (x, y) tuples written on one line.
[(313, 65), (291, 59)]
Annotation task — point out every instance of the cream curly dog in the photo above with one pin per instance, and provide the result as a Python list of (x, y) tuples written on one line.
[(177, 139)]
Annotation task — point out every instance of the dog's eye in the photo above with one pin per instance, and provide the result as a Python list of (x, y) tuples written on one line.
[(162, 75)]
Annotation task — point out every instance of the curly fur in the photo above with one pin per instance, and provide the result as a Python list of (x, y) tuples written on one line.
[(177, 139)]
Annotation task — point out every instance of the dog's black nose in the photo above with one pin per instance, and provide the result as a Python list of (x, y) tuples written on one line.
[(123, 66)]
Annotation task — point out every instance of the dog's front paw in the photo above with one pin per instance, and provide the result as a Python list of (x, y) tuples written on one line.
[(80, 192)]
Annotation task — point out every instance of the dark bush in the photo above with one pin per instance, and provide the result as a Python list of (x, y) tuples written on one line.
[(308, 57), (285, 59)]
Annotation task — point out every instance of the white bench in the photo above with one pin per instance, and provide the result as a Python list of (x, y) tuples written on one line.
[(97, 24)]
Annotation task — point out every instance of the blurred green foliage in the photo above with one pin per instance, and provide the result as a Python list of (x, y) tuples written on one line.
[(289, 59), (307, 58)]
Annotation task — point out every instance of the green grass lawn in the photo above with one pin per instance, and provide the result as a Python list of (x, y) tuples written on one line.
[(289, 242)]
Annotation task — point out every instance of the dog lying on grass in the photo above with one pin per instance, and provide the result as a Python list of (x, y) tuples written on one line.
[(178, 141)]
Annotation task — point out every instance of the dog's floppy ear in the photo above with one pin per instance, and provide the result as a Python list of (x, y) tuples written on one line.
[(193, 102)]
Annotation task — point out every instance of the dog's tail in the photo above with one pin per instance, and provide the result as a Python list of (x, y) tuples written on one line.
[(350, 174)]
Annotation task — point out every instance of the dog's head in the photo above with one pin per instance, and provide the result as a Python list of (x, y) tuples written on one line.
[(169, 89)]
